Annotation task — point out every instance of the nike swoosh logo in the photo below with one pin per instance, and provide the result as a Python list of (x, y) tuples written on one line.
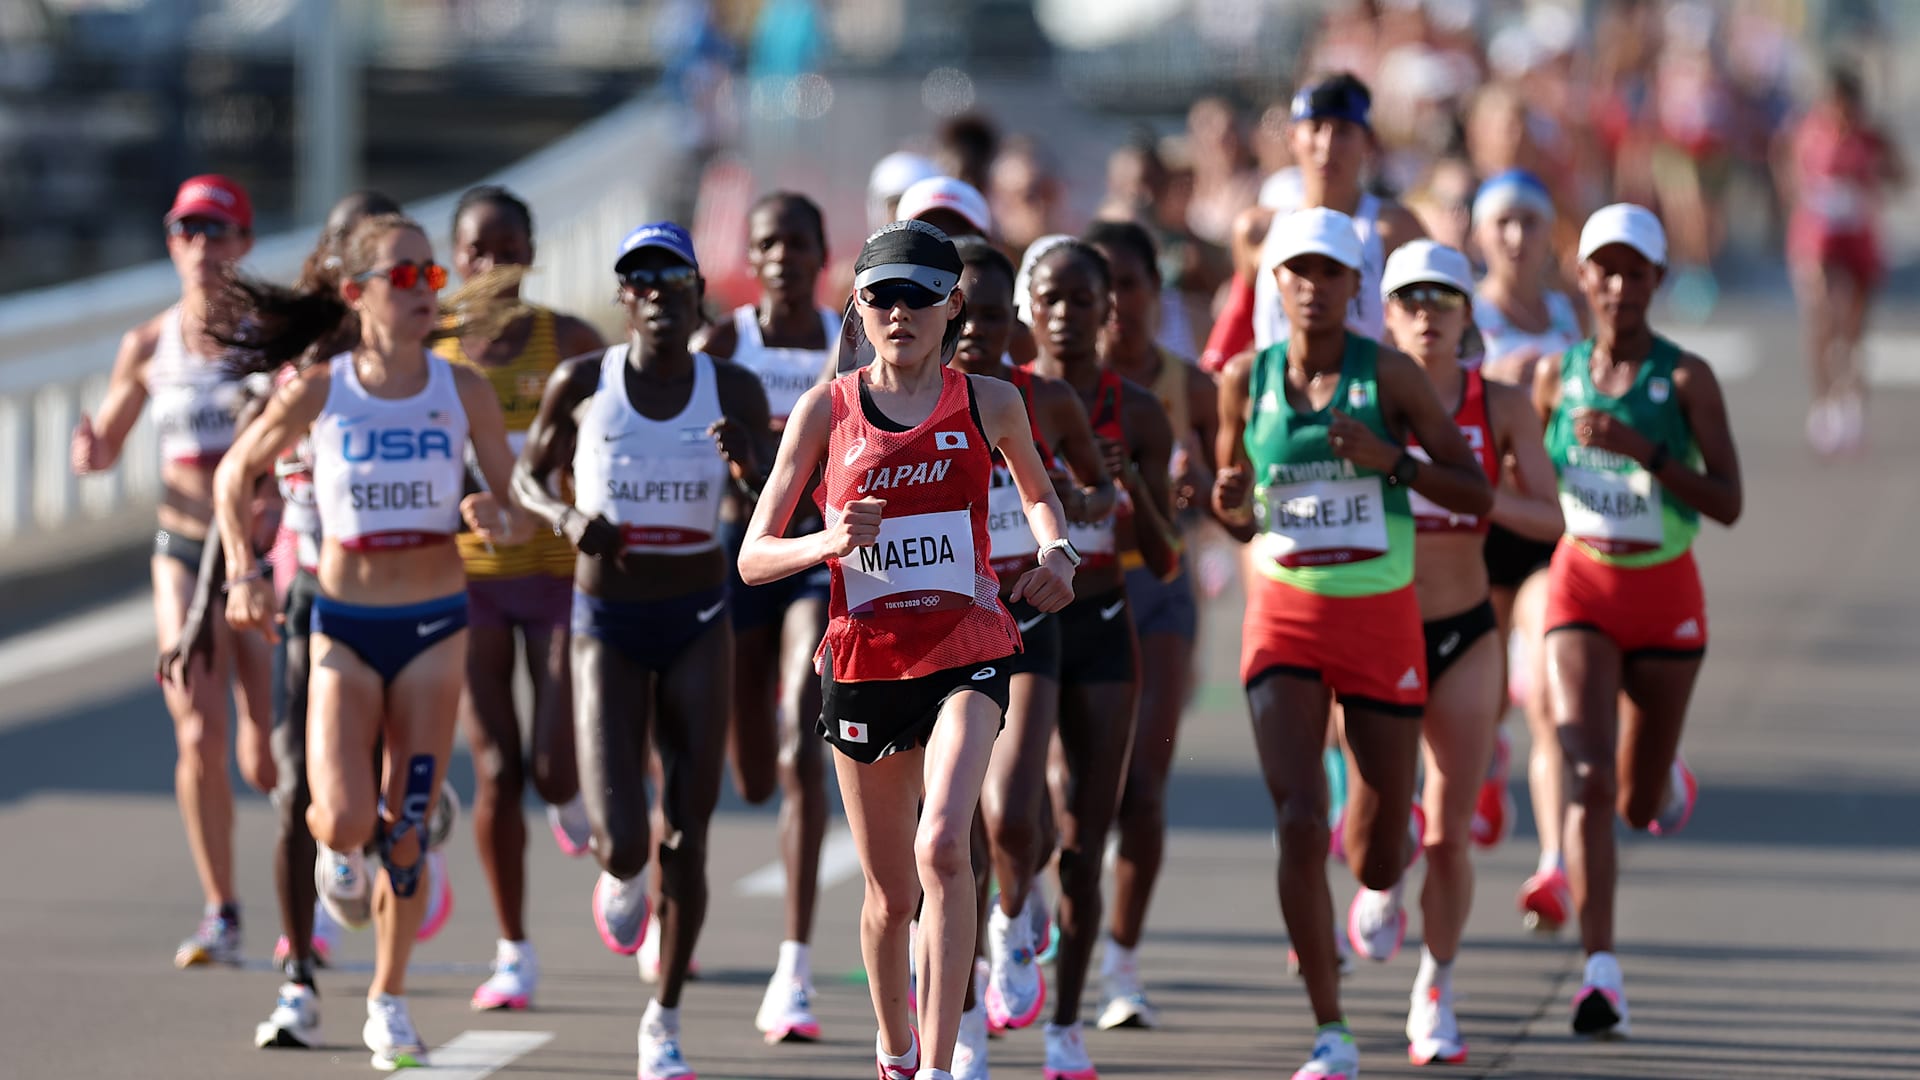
[(428, 629), (1107, 613), (708, 614), (1026, 625), (614, 438), (1449, 643)]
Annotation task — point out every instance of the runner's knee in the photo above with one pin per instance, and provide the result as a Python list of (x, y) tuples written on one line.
[(341, 828), (943, 849), (892, 901), (1303, 828)]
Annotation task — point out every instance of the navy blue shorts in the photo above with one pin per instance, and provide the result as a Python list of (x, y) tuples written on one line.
[(766, 605), (388, 638), (653, 633)]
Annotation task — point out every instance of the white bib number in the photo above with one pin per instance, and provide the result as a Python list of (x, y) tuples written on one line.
[(1322, 522), (1009, 536), (1838, 202), (923, 562), (1614, 512)]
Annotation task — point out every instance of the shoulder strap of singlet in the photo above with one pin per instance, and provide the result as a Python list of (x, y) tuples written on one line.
[(746, 327), (973, 405), (1022, 380)]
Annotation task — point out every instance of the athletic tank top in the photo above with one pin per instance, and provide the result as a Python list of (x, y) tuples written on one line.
[(785, 373), (1616, 511), (293, 474), (1010, 541), (924, 597), (661, 481), (1503, 339), (1366, 313), (195, 400), (1471, 418), (387, 473), (519, 384), (1325, 525), (1837, 175), (1095, 540)]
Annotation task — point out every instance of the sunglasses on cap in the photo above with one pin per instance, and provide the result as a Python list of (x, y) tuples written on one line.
[(405, 275), (885, 295), (665, 278), (205, 228), (1431, 297)]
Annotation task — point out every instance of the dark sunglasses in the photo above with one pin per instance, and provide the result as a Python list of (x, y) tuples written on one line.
[(405, 275), (886, 294), (1431, 297), (207, 228), (666, 278)]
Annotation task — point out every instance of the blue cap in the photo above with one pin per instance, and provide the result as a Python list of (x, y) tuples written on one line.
[(1338, 97), (1514, 187), (664, 235)]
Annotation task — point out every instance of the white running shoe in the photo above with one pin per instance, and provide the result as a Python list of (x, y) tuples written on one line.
[(1335, 1057), (390, 1035), (970, 1049), (1600, 1008), (294, 1022), (215, 941), (344, 889), (1067, 1055), (660, 1057), (1016, 989), (1433, 1033), (786, 1012), (1377, 923), (571, 829), (1039, 913), (620, 910), (516, 973), (1127, 1005)]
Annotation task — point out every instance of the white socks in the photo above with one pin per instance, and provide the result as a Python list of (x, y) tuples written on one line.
[(793, 961), (1117, 958), (1433, 973), (659, 1014), (899, 1061), (1551, 861)]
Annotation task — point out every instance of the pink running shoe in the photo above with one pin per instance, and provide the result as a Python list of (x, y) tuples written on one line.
[(1493, 808), (1546, 902), (1682, 791), (898, 1072), (620, 911), (439, 897)]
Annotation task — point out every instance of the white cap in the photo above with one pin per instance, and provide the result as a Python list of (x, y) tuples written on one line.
[(891, 177), (1418, 262), (1625, 223), (1314, 231), (946, 193)]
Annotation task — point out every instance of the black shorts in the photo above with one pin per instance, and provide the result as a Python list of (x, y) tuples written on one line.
[(182, 549), (869, 720), (1097, 642), (1039, 642), (1449, 639), (1512, 558)]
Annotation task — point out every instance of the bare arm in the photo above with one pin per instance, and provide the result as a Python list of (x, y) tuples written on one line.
[(576, 337), (1531, 507), (1453, 478), (493, 514), (288, 415), (548, 452), (766, 555), (1233, 478), (1049, 586), (1066, 419), (98, 440), (1148, 483), (744, 432), (1203, 407), (718, 340), (1715, 490)]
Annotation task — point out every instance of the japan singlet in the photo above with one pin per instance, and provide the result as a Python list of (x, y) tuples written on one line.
[(1471, 419)]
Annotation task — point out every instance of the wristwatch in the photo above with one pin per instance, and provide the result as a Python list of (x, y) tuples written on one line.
[(1065, 547), (1404, 470)]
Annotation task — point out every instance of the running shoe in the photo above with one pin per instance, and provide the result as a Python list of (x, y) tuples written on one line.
[(786, 1012), (1067, 1055), (1493, 808), (903, 1071), (439, 897), (1682, 791), (1600, 1008), (446, 814), (215, 941), (340, 880), (1039, 912), (390, 1035), (320, 945), (1377, 923), (1127, 1005), (516, 972), (660, 1057), (1546, 901), (1335, 1057), (294, 1022), (970, 1049), (649, 955), (1017, 988), (1433, 1034), (620, 910), (571, 830)]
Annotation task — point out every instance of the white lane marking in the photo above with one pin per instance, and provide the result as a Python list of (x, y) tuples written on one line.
[(839, 860), (77, 641), (473, 1055)]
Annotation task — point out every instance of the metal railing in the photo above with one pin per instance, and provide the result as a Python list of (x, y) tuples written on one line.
[(57, 345)]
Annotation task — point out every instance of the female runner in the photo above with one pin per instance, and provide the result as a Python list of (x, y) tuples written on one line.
[(1638, 431), (914, 666), (1317, 424), (195, 401), (518, 597), (784, 339), (1071, 295), (390, 422), (655, 434), (1428, 289)]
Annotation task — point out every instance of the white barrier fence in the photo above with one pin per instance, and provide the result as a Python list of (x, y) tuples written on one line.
[(57, 345)]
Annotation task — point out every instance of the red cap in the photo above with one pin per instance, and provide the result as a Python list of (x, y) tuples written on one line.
[(213, 196)]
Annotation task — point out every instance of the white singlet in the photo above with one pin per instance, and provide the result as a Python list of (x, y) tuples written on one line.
[(1504, 339), (388, 473), (784, 373), (195, 401), (1366, 314), (661, 481)]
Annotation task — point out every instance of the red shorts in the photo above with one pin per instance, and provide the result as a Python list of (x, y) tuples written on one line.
[(1659, 610), (1370, 650), (1858, 253)]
